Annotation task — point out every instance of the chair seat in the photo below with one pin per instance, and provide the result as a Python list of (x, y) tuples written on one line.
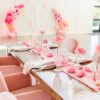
[(27, 89), (35, 92), (10, 69)]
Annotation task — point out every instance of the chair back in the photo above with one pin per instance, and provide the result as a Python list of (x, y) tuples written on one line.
[(70, 44), (8, 61), (12, 74)]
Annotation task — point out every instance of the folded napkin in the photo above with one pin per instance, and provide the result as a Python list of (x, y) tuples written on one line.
[(41, 64), (81, 60), (84, 61), (19, 48)]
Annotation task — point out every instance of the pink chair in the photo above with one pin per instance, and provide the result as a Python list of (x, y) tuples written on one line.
[(14, 81), (70, 44), (7, 96), (3, 86), (8, 61)]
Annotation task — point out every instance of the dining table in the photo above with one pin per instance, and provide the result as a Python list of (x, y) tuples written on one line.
[(63, 86), (58, 84)]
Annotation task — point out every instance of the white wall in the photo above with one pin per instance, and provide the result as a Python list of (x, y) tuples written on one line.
[(78, 13)]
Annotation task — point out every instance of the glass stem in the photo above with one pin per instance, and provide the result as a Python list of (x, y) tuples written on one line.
[(94, 77), (76, 58), (41, 39), (58, 48)]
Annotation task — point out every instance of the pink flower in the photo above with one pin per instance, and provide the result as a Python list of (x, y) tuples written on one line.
[(16, 11), (71, 69), (98, 48), (42, 32), (39, 50), (60, 31), (81, 51), (45, 41), (58, 17), (64, 62), (87, 69), (49, 54), (80, 73), (9, 14), (99, 89), (81, 68), (9, 18), (58, 39), (21, 6), (63, 24), (26, 44)]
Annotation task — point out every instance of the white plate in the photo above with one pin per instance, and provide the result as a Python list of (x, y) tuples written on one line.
[(19, 48)]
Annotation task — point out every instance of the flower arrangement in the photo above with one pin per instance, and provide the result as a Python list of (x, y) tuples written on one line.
[(62, 25), (42, 32), (79, 51), (9, 27)]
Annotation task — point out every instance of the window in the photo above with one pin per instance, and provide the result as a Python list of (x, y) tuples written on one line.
[(96, 17)]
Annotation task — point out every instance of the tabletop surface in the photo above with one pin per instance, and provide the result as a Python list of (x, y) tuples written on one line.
[(88, 44), (58, 81)]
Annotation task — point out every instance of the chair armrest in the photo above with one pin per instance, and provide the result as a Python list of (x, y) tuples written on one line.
[(3, 86)]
